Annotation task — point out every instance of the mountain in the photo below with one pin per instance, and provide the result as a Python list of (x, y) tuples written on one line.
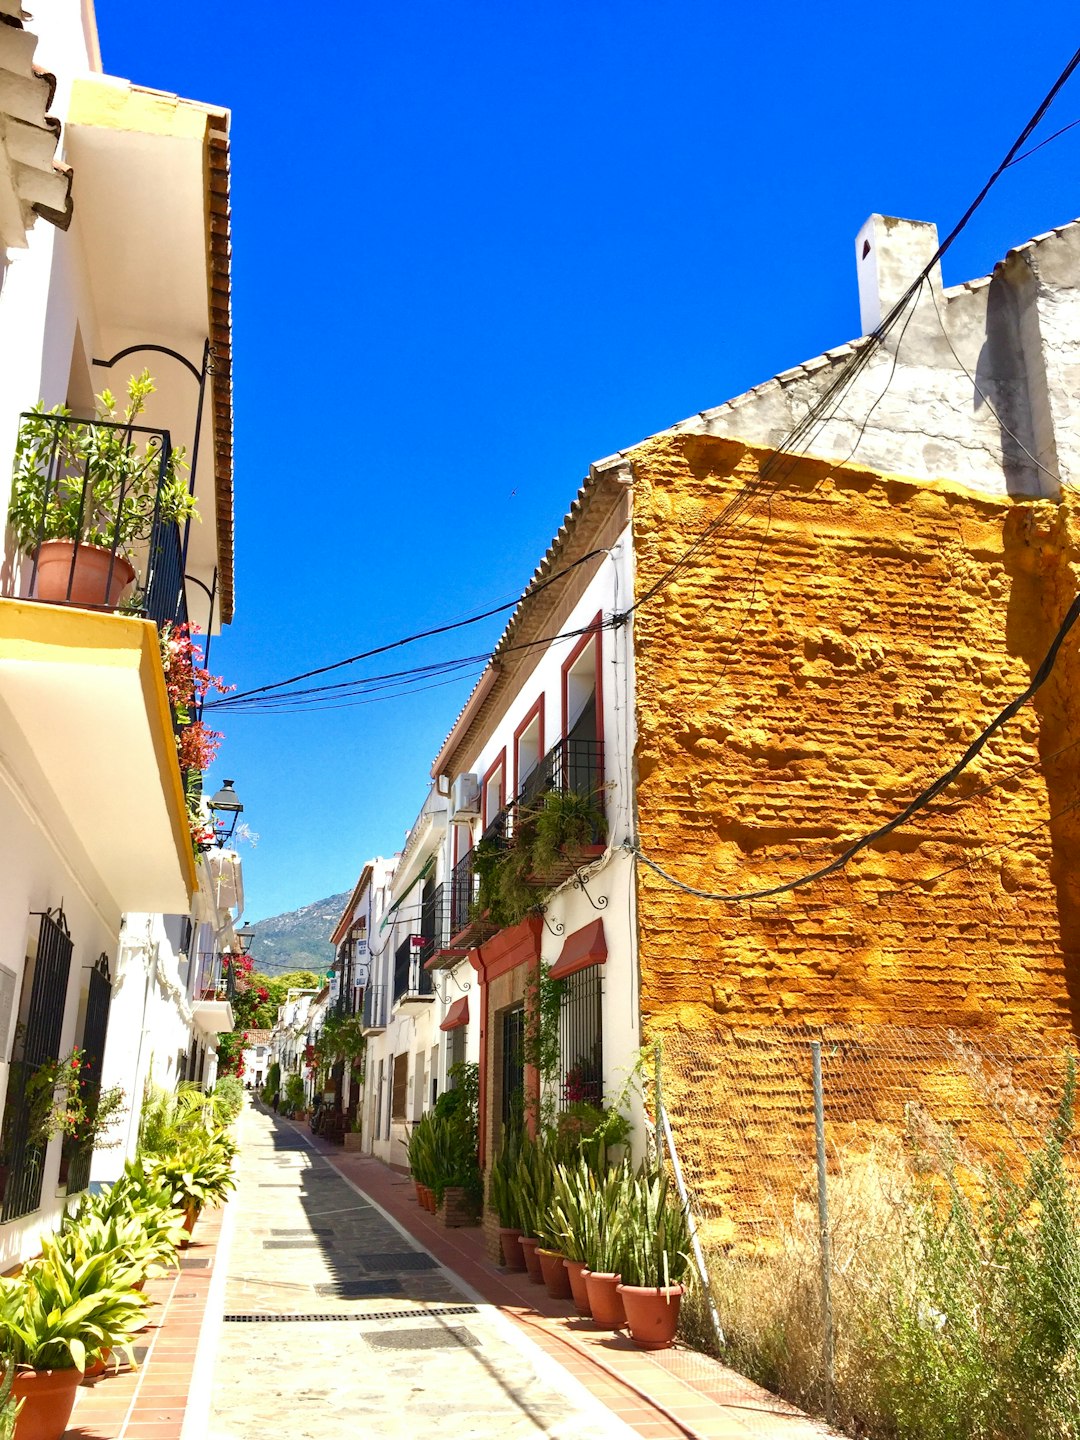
[(298, 940)]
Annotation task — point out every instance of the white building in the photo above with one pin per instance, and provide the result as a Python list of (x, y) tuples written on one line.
[(93, 813), (352, 989)]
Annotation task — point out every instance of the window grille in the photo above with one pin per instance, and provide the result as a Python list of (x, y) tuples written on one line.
[(581, 1044)]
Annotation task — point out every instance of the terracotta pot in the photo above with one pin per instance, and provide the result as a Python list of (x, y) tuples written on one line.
[(652, 1314), (419, 1192), (513, 1255), (90, 584), (556, 1279), (98, 1365), (49, 1396), (576, 1272), (191, 1214), (605, 1302), (529, 1246)]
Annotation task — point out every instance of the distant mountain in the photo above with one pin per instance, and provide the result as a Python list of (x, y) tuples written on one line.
[(298, 940)]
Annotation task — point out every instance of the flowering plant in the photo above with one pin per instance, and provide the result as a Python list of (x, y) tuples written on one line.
[(62, 1099)]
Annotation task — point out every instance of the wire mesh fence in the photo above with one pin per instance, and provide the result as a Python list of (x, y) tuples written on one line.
[(890, 1220)]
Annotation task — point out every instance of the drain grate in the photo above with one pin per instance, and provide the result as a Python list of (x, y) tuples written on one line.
[(397, 1260), (297, 1245), (262, 1318), (357, 1289), (423, 1339), (304, 1230), (193, 1263)]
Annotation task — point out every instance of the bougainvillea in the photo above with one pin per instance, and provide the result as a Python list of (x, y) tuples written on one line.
[(230, 1053)]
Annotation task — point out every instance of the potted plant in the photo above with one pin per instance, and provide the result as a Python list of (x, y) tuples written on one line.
[(605, 1246), (198, 1174), (53, 1314), (86, 492), (295, 1096), (655, 1261), (503, 1197), (571, 1210), (532, 1179)]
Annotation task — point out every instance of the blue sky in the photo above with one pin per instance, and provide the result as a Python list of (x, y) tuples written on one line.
[(479, 245)]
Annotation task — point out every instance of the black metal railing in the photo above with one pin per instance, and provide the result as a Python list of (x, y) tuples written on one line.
[(512, 1076), (581, 1039), (98, 1001), (22, 1150), (569, 766), (375, 1007), (217, 977), (411, 980), (464, 888), (435, 928), (90, 500)]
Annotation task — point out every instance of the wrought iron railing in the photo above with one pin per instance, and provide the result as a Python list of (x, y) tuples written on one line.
[(110, 486), (411, 980), (375, 1007), (581, 1039), (217, 977), (99, 998), (570, 765), (435, 928), (464, 888)]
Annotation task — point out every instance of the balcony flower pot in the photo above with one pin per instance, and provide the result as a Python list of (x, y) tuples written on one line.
[(556, 1280), (529, 1245), (48, 1398), (513, 1255), (576, 1270), (605, 1302), (652, 1314), (99, 577)]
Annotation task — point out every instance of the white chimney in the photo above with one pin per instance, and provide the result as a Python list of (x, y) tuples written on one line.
[(889, 254)]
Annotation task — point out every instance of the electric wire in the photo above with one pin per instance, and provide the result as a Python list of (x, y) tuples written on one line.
[(816, 417)]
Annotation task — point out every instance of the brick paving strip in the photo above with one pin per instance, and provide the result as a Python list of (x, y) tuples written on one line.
[(672, 1393), (151, 1402)]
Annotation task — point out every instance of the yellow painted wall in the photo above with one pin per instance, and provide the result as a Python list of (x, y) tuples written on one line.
[(797, 684)]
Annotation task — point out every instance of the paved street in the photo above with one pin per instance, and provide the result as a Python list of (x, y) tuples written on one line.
[(336, 1323)]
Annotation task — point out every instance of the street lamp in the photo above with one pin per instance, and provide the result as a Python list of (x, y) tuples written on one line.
[(244, 936), (227, 802)]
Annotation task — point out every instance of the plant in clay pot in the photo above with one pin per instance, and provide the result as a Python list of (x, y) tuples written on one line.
[(571, 1212), (606, 1200), (655, 1261), (58, 1311), (87, 493), (532, 1180), (503, 1197)]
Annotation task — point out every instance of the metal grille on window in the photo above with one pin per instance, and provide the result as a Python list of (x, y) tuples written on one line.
[(98, 1001), (457, 1053), (23, 1156), (513, 1063), (581, 1045)]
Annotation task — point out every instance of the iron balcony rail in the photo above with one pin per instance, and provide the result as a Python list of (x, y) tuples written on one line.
[(375, 1007), (569, 766), (113, 487), (411, 980), (464, 888), (217, 979), (435, 923)]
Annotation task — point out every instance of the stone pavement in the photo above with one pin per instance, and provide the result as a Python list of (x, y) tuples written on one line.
[(335, 1322)]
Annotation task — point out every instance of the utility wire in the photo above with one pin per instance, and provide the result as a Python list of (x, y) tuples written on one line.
[(920, 802), (782, 455)]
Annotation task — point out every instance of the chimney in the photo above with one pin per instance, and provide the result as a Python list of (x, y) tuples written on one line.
[(889, 254)]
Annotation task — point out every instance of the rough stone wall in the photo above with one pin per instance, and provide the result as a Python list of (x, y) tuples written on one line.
[(801, 680)]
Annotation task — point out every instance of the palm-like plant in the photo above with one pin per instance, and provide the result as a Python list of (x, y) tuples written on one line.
[(656, 1234), (502, 1186), (61, 1308)]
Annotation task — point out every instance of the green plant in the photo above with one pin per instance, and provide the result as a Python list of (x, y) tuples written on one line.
[(502, 1180), (604, 1201), (532, 1182), (197, 1175), (230, 1091), (171, 1119), (295, 1094), (95, 482), (656, 1233), (571, 1209), (273, 1083), (9, 1406), (563, 824), (61, 1308)]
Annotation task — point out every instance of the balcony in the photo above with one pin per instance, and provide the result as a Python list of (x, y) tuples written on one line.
[(570, 767), (214, 993), (100, 508), (412, 983), (374, 1009)]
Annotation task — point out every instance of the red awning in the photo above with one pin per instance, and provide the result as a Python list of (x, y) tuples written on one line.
[(458, 1014), (586, 946)]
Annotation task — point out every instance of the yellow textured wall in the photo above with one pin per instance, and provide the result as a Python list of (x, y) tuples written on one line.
[(797, 684)]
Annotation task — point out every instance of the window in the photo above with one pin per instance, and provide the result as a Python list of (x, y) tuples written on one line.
[(512, 1070), (400, 1087), (528, 745), (581, 1044), (494, 790), (455, 1052)]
